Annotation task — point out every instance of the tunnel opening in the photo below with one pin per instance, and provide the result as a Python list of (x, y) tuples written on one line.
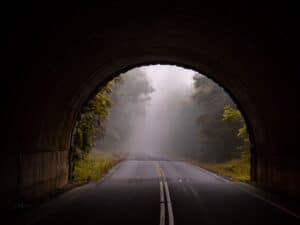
[(249, 50), (104, 91)]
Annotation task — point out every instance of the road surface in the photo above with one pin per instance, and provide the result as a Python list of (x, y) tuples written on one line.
[(143, 190)]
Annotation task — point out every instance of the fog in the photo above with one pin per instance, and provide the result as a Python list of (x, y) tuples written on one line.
[(169, 124), (158, 109)]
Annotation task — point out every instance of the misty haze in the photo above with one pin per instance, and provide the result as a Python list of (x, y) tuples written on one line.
[(167, 111), (158, 122)]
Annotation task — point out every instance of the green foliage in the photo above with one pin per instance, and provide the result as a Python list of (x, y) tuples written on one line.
[(234, 116), (94, 166), (238, 169), (217, 139), (91, 121)]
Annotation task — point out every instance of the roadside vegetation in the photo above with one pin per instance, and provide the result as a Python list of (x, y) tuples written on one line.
[(112, 121), (94, 166), (239, 167), (223, 140), (88, 165), (105, 124)]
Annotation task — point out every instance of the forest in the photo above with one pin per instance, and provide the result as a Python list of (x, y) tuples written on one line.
[(203, 126)]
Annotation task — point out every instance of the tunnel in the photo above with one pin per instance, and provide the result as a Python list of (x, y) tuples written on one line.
[(56, 58)]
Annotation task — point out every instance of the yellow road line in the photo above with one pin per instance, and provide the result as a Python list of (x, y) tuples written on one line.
[(164, 186)]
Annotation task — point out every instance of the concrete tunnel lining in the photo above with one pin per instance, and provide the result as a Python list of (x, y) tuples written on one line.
[(70, 58)]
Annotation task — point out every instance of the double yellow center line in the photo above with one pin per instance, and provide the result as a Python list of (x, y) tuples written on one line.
[(164, 191)]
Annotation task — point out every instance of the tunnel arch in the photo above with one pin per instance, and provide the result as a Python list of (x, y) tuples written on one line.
[(185, 66), (53, 59)]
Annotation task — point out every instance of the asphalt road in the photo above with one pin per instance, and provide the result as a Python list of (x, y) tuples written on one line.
[(145, 191)]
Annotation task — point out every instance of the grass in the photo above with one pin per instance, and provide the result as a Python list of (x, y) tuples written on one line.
[(94, 166), (238, 169)]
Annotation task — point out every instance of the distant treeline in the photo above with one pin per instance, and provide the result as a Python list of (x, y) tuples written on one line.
[(109, 118), (222, 131)]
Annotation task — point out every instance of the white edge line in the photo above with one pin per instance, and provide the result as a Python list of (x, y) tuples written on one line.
[(270, 202)]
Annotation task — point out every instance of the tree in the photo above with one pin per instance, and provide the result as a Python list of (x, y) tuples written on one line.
[(217, 140), (129, 97), (234, 116), (92, 119)]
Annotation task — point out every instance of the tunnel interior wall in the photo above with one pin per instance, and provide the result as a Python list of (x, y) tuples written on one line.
[(43, 172), (56, 60)]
